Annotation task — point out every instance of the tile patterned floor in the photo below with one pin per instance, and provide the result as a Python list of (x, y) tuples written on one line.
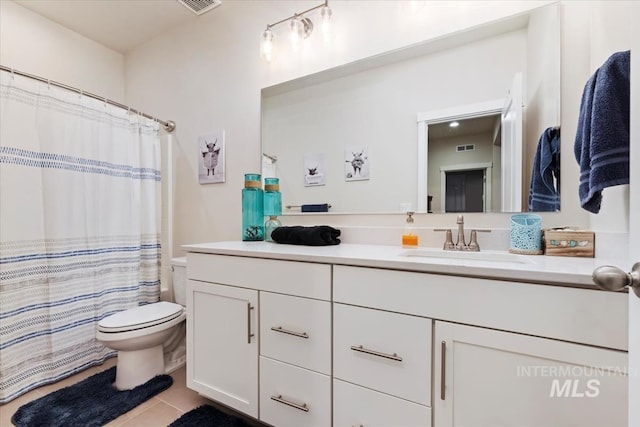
[(158, 411)]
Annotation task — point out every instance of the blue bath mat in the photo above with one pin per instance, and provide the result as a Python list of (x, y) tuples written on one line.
[(91, 402), (208, 416)]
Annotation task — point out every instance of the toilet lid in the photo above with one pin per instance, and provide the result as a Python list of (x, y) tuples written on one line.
[(143, 316)]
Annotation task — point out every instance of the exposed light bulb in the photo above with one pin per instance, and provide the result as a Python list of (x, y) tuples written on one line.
[(325, 18), (296, 31), (266, 46), (454, 124)]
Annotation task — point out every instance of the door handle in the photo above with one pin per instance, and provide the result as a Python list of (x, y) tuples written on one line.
[(249, 333), (612, 278)]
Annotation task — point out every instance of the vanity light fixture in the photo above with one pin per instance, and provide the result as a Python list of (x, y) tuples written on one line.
[(266, 47), (301, 28)]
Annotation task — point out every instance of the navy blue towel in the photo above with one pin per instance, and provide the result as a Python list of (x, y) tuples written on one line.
[(602, 136), (318, 235), (544, 192), (323, 207)]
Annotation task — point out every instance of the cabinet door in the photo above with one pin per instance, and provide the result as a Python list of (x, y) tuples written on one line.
[(222, 344), (491, 378)]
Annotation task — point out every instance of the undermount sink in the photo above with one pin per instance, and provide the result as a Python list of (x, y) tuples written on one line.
[(489, 256)]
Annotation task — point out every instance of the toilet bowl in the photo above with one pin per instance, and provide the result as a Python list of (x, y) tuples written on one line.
[(139, 335)]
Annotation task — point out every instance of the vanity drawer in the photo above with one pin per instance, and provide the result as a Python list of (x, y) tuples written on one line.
[(359, 406), (292, 396), (385, 351), (585, 316), (296, 330), (304, 279)]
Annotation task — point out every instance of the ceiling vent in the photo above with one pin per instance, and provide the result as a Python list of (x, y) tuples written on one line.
[(200, 6), (468, 147)]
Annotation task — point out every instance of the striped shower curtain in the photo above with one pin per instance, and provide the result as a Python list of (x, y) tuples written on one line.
[(79, 227)]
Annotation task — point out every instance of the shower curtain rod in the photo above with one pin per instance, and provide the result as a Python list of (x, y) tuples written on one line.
[(168, 126)]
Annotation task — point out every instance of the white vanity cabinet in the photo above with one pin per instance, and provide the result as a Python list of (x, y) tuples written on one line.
[(299, 339), (259, 336), (485, 377), (222, 344)]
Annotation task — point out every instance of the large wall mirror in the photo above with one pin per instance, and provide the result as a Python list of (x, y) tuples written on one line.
[(376, 136)]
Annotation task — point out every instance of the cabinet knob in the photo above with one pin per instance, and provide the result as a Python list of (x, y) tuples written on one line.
[(612, 278)]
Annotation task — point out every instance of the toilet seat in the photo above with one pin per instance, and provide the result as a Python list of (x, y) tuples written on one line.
[(144, 316)]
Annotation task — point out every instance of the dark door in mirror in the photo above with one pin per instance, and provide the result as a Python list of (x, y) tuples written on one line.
[(465, 191)]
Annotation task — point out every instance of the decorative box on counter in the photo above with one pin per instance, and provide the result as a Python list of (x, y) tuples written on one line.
[(569, 242)]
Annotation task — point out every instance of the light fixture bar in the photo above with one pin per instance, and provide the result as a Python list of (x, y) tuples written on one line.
[(296, 15)]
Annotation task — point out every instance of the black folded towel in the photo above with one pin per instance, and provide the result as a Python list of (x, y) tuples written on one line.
[(319, 235)]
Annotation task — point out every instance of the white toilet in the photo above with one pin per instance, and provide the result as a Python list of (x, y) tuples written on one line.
[(139, 334)]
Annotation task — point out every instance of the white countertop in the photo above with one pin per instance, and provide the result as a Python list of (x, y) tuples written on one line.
[(571, 271)]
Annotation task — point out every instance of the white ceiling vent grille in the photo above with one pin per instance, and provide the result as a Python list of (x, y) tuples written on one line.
[(467, 147), (200, 6)]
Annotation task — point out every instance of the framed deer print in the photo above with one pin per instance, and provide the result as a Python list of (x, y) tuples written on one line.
[(357, 163), (211, 153), (314, 169)]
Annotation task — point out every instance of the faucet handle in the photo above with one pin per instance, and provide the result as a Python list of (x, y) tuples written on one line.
[(448, 239), (473, 244)]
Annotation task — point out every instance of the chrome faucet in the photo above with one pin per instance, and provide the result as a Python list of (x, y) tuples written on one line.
[(461, 244)]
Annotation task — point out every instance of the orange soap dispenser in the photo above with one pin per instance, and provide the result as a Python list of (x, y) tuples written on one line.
[(409, 237)]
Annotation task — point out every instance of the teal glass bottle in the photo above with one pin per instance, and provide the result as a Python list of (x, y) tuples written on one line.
[(272, 206), (272, 197), (252, 208)]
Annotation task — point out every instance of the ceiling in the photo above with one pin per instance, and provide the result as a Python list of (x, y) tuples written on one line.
[(466, 127), (118, 24)]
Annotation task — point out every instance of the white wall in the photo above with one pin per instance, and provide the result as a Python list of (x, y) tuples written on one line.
[(208, 76), (36, 45)]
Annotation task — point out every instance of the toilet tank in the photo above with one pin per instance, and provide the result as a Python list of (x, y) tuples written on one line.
[(179, 268)]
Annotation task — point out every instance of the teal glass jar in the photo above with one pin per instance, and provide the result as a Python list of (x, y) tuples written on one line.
[(252, 208), (272, 197)]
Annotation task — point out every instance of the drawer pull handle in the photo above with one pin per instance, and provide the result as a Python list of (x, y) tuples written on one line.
[(286, 331), (279, 398), (249, 334), (361, 349), (443, 369)]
